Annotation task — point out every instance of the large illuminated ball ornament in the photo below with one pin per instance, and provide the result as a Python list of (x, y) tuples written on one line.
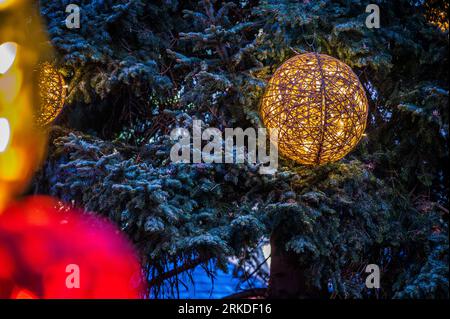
[(22, 143), (48, 250), (52, 93), (318, 106)]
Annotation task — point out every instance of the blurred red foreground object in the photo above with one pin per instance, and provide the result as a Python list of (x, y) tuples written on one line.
[(50, 251)]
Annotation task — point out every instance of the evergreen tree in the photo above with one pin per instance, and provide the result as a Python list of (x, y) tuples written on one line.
[(137, 69)]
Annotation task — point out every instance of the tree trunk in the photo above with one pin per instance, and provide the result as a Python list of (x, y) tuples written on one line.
[(287, 277)]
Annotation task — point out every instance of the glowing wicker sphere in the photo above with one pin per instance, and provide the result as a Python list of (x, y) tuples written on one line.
[(52, 93), (319, 107)]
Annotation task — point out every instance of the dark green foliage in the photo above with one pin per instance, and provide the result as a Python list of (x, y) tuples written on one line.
[(149, 66), (113, 49), (172, 212), (429, 280)]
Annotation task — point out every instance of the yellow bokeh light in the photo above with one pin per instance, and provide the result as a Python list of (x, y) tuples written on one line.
[(22, 143), (8, 53), (5, 133), (6, 3), (319, 107)]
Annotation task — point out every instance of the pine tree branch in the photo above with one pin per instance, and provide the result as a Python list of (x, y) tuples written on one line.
[(178, 270)]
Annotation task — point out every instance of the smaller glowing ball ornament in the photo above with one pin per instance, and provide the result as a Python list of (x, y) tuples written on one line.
[(52, 93), (319, 107), (48, 250)]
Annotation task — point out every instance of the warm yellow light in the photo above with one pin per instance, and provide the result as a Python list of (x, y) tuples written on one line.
[(22, 143), (438, 16), (5, 133), (8, 51), (52, 93), (5, 3), (10, 84), (319, 107)]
